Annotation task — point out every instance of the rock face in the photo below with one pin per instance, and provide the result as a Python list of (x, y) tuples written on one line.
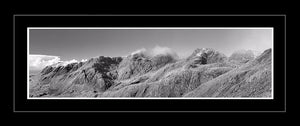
[(207, 56), (205, 73)]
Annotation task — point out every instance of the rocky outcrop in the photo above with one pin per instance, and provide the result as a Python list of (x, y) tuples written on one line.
[(207, 56)]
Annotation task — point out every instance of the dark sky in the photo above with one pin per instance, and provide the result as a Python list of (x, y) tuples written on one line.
[(83, 43)]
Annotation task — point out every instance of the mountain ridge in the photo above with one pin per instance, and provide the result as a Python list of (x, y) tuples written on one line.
[(139, 75)]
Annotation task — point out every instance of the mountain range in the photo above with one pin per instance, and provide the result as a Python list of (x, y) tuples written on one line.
[(205, 73)]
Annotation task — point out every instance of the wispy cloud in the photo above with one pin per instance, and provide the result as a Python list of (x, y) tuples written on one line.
[(157, 50)]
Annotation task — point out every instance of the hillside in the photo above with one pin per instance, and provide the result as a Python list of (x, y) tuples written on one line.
[(250, 80), (205, 73)]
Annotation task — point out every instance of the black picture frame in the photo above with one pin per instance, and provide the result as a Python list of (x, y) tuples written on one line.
[(21, 104)]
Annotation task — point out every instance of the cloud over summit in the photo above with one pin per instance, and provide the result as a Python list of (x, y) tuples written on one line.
[(157, 50)]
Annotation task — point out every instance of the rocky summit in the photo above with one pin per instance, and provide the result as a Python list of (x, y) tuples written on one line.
[(205, 73)]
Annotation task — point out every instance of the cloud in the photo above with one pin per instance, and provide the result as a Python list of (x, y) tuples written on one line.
[(64, 63), (39, 62), (157, 50)]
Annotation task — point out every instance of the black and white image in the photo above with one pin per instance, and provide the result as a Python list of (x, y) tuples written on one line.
[(150, 62)]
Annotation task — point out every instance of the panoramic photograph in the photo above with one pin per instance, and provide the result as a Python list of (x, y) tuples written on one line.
[(150, 63)]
